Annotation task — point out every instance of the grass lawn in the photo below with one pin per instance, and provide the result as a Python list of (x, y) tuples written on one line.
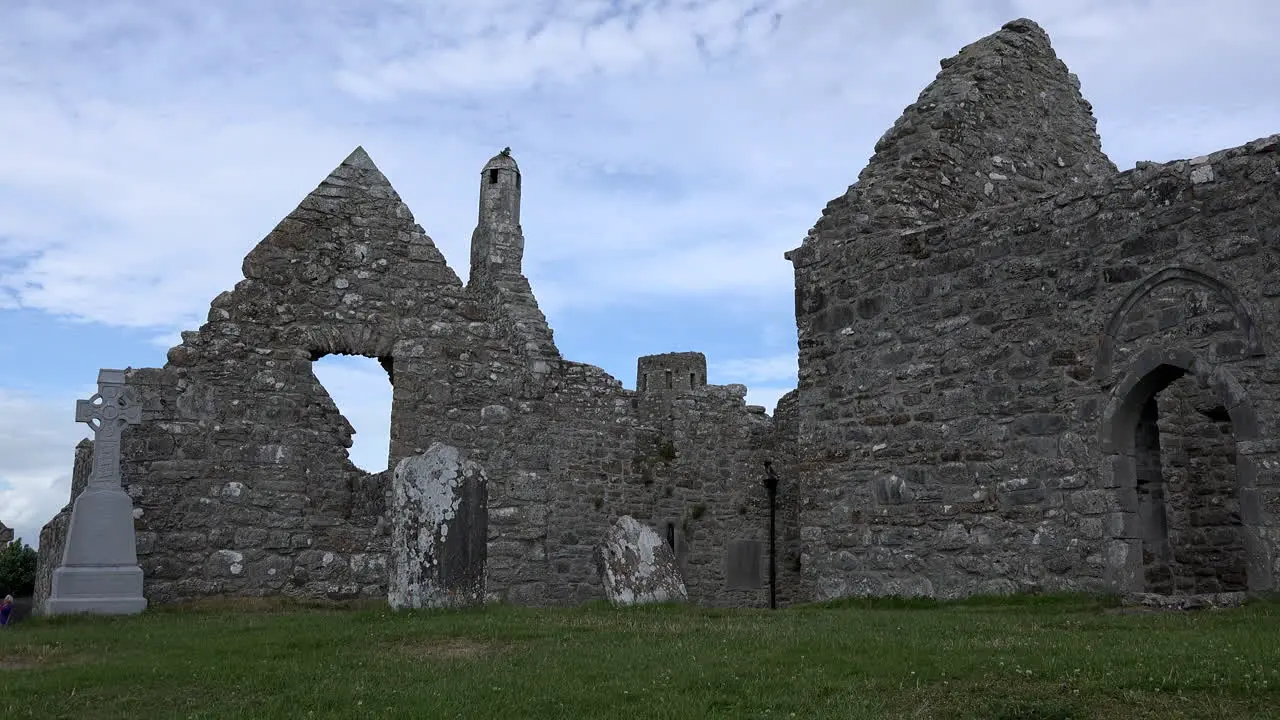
[(1028, 657)]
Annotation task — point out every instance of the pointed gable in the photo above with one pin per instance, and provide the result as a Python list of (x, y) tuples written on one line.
[(1002, 122), (338, 274), (353, 206)]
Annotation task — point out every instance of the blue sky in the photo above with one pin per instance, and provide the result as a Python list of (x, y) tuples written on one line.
[(671, 152)]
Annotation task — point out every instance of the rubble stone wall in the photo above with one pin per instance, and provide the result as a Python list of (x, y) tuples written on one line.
[(996, 331), (955, 378)]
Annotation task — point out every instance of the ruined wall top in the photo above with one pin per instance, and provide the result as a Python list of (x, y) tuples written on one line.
[(6, 534), (1003, 122)]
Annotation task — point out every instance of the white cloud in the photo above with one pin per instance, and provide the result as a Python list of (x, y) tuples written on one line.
[(559, 42), (767, 396), (38, 435), (755, 370), (767, 378), (138, 184)]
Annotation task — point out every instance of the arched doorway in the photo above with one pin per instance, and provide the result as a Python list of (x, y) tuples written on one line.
[(1188, 515)]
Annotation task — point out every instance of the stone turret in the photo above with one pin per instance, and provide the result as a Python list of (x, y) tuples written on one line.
[(671, 372), (497, 256), (497, 246)]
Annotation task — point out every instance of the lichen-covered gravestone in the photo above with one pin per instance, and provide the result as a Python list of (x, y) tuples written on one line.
[(637, 567), (439, 525), (99, 571)]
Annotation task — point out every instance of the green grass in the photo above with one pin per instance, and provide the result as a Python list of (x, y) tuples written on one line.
[(1046, 658)]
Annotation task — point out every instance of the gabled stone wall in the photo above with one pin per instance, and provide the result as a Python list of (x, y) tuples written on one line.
[(959, 380), (240, 473), (995, 330)]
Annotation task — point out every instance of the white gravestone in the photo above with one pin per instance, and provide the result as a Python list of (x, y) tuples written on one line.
[(637, 567), (99, 572)]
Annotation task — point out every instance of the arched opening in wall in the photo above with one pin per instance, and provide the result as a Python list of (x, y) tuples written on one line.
[(1185, 457), (1187, 504), (361, 387)]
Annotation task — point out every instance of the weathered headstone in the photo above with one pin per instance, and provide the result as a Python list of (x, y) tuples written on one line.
[(637, 567), (99, 572), (743, 563), (439, 527)]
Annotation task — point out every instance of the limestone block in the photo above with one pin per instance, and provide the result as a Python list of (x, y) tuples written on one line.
[(637, 567), (439, 520)]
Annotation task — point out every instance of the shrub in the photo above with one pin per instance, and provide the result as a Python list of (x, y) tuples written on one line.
[(17, 569)]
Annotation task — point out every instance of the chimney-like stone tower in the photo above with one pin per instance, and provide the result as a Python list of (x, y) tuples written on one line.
[(497, 261), (497, 245)]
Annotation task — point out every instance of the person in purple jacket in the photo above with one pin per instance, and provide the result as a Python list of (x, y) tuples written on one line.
[(6, 609)]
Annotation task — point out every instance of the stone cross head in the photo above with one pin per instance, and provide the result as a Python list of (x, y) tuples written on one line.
[(111, 407)]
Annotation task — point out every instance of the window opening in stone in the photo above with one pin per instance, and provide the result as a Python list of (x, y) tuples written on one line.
[(517, 181), (644, 380), (1188, 506), (693, 383), (361, 388), (671, 535), (668, 379), (493, 177)]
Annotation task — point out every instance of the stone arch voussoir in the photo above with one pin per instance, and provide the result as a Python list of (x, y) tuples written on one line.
[(1149, 284)]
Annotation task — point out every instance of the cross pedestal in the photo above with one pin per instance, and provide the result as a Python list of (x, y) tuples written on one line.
[(99, 572)]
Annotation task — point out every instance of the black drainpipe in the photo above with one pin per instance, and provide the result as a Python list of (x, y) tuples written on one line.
[(771, 484)]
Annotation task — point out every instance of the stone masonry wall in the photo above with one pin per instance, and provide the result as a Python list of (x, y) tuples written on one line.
[(968, 339), (702, 487), (952, 380), (990, 322), (53, 536), (240, 469), (580, 449), (784, 451), (1205, 548), (240, 474)]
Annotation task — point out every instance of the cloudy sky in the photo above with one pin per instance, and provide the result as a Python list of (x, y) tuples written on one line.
[(671, 152)]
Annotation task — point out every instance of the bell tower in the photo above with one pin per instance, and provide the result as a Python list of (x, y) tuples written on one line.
[(497, 245)]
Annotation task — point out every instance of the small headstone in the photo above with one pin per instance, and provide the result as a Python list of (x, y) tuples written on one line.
[(439, 526), (743, 565), (99, 573), (637, 567)]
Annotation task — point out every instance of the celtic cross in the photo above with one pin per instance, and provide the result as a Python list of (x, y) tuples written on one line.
[(107, 412)]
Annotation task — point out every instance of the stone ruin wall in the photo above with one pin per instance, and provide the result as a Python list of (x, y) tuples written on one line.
[(981, 318), (240, 475), (240, 469), (1193, 542), (979, 313), (53, 536), (580, 449), (953, 395)]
